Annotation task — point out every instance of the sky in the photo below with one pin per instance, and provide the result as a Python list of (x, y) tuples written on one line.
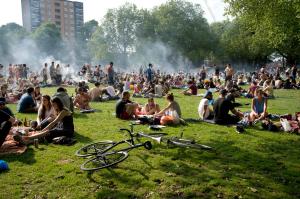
[(10, 10)]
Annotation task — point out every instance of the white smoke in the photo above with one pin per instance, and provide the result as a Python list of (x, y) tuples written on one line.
[(162, 56)]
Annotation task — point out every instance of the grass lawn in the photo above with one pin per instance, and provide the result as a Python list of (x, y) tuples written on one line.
[(257, 164)]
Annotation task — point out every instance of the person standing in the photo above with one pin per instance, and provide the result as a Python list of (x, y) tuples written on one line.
[(110, 73), (52, 72), (45, 73), (229, 72), (149, 73), (58, 75)]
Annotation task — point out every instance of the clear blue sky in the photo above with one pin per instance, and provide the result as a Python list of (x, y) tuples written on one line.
[(10, 10)]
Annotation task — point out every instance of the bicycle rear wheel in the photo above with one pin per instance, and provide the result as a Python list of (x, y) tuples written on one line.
[(94, 148), (104, 161), (189, 144)]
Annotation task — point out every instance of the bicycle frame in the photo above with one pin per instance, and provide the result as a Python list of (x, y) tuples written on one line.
[(123, 149), (130, 142)]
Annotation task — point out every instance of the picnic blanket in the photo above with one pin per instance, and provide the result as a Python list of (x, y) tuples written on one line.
[(11, 147)]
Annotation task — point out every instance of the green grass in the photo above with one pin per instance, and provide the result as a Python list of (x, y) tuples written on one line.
[(257, 164)]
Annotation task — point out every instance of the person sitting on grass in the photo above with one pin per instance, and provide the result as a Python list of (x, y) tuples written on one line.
[(26, 103), (6, 122), (172, 106), (95, 93), (126, 109), (192, 90), (45, 112), (258, 107), (37, 95), (111, 93), (82, 100), (205, 112), (151, 107), (62, 125), (62, 94), (4, 108), (221, 109), (251, 90), (268, 89)]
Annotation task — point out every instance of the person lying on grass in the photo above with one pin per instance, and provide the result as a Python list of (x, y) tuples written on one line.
[(62, 125), (258, 107)]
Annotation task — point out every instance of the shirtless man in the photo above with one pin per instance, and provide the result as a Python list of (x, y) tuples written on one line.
[(82, 100), (95, 93)]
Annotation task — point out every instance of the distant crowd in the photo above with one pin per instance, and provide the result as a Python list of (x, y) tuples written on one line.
[(55, 114)]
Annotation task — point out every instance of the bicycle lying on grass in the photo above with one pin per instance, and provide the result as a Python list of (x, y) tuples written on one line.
[(105, 153)]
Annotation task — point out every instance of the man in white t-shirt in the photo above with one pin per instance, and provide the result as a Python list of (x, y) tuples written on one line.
[(203, 109), (111, 93)]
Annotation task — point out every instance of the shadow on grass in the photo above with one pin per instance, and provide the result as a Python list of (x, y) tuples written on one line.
[(265, 167), (81, 138), (26, 158), (107, 193), (80, 115), (270, 162)]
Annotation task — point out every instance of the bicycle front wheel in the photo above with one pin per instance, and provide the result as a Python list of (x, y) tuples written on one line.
[(94, 148), (104, 161), (189, 144)]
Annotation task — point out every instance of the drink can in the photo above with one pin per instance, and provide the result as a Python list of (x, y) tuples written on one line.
[(36, 143)]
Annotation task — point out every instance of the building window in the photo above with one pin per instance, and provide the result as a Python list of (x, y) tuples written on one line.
[(58, 23), (57, 10), (57, 17), (57, 4)]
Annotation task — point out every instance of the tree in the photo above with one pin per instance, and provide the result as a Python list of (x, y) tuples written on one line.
[(48, 38), (88, 29), (181, 25), (119, 29), (11, 34), (237, 44), (98, 46), (275, 22)]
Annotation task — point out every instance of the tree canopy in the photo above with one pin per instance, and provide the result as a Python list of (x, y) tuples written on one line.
[(174, 32)]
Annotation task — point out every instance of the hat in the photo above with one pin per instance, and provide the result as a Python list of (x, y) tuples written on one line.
[(207, 94), (223, 92), (2, 100)]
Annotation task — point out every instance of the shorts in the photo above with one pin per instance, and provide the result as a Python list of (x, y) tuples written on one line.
[(125, 116)]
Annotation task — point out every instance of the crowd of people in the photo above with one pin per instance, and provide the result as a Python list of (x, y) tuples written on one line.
[(55, 114)]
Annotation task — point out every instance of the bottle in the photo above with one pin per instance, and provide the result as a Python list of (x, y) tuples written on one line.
[(25, 122), (36, 143)]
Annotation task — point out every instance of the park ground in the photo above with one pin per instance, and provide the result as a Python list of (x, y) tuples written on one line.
[(255, 164)]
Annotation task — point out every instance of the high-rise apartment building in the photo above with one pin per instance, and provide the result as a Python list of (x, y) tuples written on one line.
[(67, 15)]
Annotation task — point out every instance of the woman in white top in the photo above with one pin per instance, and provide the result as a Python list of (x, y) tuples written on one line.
[(203, 109), (45, 112)]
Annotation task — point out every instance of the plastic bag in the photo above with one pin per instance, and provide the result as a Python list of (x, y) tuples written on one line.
[(285, 125)]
